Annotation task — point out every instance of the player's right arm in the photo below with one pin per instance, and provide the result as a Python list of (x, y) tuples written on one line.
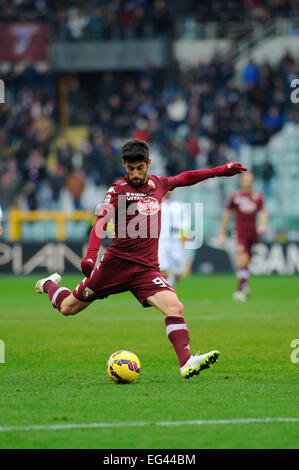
[(105, 213)]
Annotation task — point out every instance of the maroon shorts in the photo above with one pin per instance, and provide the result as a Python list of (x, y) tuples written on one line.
[(244, 244), (115, 275)]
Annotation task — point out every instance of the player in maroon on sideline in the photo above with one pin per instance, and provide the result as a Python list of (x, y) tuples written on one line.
[(131, 262), (246, 204)]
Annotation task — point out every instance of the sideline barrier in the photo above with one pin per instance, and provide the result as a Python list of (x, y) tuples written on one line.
[(17, 217), (22, 258)]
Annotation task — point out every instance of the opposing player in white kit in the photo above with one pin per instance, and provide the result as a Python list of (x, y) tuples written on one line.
[(174, 224)]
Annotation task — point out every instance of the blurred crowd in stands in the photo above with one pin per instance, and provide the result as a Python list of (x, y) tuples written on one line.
[(191, 118), (127, 19)]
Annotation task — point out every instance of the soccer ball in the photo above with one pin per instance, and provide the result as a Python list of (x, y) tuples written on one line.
[(123, 367)]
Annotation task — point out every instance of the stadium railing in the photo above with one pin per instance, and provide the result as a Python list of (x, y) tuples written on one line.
[(17, 217)]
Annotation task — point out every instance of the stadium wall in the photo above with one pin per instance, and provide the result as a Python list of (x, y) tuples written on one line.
[(270, 49), (110, 55), (135, 55), (193, 51)]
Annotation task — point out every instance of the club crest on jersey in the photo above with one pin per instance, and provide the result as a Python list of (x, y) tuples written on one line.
[(107, 199), (87, 293), (148, 206), (246, 205), (152, 183)]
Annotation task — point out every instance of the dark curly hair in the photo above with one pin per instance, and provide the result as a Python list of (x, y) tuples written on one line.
[(135, 150)]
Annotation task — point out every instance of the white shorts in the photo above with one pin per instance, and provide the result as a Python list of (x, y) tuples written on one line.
[(171, 256)]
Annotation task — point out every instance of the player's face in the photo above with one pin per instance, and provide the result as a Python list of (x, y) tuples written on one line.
[(136, 172), (247, 180)]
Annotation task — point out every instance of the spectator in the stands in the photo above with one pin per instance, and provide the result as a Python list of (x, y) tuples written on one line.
[(273, 120), (64, 153), (250, 74), (77, 23), (95, 29), (162, 19), (75, 183), (267, 173), (34, 168), (191, 116)]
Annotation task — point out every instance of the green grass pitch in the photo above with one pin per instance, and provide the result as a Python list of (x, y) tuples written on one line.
[(54, 371)]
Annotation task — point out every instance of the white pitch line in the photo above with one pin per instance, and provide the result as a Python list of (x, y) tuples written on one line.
[(196, 422)]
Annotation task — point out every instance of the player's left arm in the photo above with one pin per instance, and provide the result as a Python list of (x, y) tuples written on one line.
[(188, 178), (95, 238)]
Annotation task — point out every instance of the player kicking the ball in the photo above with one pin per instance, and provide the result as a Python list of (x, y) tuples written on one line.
[(246, 203), (131, 262)]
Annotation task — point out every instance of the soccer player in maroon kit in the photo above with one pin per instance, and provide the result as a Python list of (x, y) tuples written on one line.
[(246, 203), (131, 262)]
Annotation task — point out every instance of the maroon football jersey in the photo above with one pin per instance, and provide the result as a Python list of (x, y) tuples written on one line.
[(137, 217), (246, 206)]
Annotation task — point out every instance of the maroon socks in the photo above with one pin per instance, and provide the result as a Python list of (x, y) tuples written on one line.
[(56, 293), (243, 276), (178, 333)]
